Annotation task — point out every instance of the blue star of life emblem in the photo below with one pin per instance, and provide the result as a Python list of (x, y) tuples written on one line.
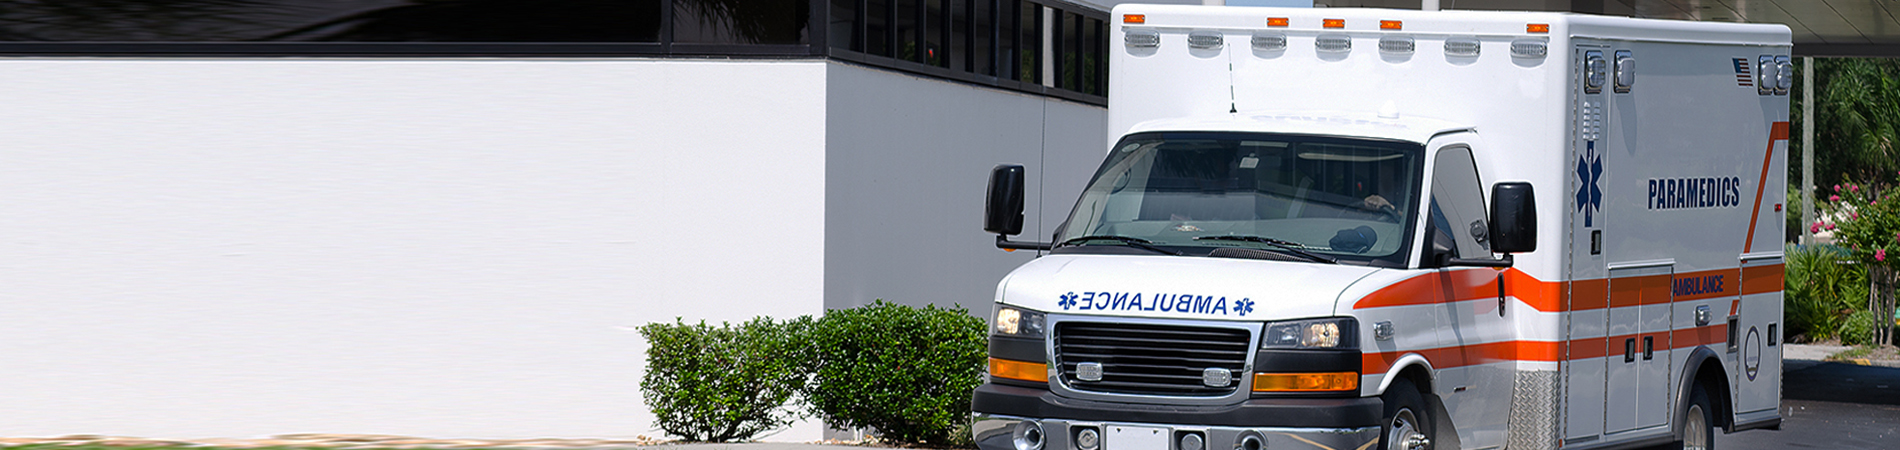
[(1589, 172), (1243, 306), (1068, 301)]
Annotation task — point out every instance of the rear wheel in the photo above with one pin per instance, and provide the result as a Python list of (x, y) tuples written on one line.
[(1408, 425), (1698, 425)]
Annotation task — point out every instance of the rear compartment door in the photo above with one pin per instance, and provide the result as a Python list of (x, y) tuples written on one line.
[(1755, 331)]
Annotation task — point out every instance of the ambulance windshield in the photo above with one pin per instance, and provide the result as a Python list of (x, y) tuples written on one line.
[(1352, 200)]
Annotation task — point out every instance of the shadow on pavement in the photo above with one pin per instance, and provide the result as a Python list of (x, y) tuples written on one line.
[(1843, 383), (1830, 406)]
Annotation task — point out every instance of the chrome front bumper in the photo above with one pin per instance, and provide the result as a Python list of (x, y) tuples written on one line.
[(999, 432)]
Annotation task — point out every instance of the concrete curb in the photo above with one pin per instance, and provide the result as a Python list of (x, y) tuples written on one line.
[(1822, 353)]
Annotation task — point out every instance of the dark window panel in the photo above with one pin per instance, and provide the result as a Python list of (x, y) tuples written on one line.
[(332, 21), (1008, 28), (1029, 42), (959, 34), (909, 29), (877, 31), (982, 33), (1102, 46), (844, 29), (934, 45), (1071, 51), (739, 21), (1091, 54)]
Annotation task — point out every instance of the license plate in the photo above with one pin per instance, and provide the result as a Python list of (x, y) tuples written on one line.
[(1120, 437)]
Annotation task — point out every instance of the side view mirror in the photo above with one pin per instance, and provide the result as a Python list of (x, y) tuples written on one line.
[(1003, 208), (1513, 218)]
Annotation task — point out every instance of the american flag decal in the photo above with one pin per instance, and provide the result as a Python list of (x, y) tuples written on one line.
[(1742, 77)]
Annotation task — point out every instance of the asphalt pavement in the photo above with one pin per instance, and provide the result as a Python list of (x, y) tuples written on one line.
[(1824, 405), (1830, 405)]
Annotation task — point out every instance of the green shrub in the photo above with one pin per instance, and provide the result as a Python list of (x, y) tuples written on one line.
[(905, 372), (1858, 329), (725, 383), (1821, 291)]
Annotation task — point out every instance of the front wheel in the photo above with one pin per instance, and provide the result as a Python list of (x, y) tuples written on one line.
[(1408, 425), (1698, 425)]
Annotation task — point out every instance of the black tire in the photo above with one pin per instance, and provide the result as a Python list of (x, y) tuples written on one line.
[(1698, 422), (1405, 414)]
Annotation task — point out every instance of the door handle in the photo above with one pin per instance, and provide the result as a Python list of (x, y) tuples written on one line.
[(1629, 350), (1649, 347), (1500, 294)]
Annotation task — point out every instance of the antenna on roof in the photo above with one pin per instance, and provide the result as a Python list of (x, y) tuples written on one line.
[(1233, 105)]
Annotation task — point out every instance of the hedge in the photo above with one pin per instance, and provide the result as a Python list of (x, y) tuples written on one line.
[(726, 383), (904, 372)]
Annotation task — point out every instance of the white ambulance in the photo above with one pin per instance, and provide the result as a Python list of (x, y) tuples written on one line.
[(1362, 228)]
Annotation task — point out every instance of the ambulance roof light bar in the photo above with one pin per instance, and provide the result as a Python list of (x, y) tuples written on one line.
[(1205, 39), (1402, 45), (1333, 43), (1462, 46), (1143, 38), (1269, 41), (1529, 48)]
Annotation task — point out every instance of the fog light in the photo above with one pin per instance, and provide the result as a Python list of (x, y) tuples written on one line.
[(1028, 435), (1250, 442), (1191, 441), (1088, 439)]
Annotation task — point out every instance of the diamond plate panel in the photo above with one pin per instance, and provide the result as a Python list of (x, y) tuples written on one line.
[(1535, 424)]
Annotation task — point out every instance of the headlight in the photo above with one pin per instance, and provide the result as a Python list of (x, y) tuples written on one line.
[(1012, 321), (1336, 332)]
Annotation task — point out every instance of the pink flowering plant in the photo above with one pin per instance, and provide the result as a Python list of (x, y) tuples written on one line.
[(1866, 221)]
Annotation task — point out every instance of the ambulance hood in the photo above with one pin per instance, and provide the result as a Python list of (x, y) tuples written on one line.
[(1179, 287)]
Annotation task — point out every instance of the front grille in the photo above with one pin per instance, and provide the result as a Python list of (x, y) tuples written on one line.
[(1151, 359)]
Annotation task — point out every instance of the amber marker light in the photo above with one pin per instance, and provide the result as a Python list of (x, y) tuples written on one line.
[(1277, 21), (1537, 28), (1136, 19), (1391, 25), (1019, 370), (1333, 23), (1305, 382)]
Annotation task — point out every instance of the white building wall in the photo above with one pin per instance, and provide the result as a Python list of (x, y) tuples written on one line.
[(463, 248), (446, 248), (908, 167)]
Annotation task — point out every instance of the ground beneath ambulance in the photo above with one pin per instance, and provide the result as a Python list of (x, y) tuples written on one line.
[(1830, 405)]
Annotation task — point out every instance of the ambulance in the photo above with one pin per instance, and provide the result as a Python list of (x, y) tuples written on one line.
[(1363, 228)]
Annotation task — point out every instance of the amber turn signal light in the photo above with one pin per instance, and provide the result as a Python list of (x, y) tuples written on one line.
[(1019, 370), (1305, 382)]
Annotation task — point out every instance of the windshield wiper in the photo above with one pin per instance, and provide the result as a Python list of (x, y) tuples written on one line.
[(1289, 246), (1140, 243)]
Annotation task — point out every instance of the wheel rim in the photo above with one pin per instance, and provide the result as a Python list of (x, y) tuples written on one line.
[(1403, 426), (1695, 430)]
